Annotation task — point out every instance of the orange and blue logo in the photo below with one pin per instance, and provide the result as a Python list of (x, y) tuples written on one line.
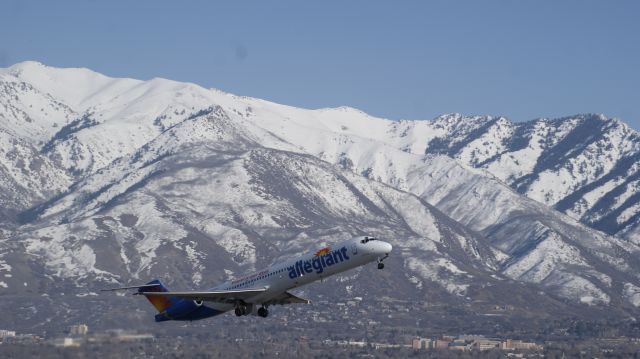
[(161, 303), (323, 251)]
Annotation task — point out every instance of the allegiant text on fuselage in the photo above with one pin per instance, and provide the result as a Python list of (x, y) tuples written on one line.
[(318, 263)]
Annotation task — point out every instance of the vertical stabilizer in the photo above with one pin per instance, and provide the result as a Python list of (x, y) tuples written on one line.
[(160, 302)]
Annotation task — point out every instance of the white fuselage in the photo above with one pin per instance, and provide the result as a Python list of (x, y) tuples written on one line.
[(319, 264)]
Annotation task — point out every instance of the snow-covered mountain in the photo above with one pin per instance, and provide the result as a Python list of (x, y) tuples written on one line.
[(116, 180), (587, 166)]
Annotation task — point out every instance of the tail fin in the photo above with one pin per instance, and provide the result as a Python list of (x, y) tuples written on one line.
[(161, 303)]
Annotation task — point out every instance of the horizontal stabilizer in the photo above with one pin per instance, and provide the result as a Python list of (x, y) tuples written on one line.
[(221, 296), (143, 286)]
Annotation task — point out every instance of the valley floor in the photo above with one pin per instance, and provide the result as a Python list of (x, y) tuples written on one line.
[(208, 347)]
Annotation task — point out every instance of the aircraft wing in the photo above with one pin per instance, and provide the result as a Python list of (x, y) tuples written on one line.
[(219, 296), (287, 298)]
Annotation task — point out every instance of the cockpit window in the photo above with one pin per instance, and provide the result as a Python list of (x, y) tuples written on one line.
[(367, 239)]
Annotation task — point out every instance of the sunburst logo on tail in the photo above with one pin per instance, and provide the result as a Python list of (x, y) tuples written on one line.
[(323, 251)]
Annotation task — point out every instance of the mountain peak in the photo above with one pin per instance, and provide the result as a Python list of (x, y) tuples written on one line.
[(29, 64), (32, 68), (74, 86)]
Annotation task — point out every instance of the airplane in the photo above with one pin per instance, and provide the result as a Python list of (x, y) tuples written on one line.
[(255, 292)]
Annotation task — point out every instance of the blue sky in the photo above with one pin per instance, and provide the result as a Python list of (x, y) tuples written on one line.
[(395, 59)]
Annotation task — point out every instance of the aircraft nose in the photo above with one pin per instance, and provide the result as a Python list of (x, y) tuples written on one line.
[(385, 247)]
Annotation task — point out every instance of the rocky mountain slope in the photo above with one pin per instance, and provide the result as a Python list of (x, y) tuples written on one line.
[(587, 166), (118, 180)]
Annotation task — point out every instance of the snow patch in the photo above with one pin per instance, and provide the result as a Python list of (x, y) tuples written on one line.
[(442, 272), (632, 294)]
